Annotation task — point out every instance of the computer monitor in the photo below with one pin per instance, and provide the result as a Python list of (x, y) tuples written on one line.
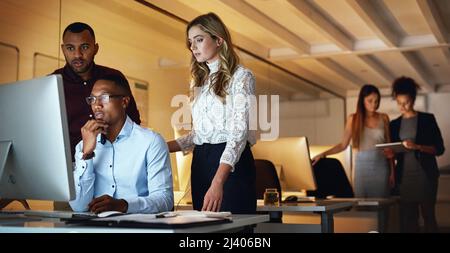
[(35, 158), (291, 158)]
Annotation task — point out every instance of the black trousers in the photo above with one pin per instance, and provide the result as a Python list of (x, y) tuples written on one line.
[(410, 211), (239, 191), (409, 220)]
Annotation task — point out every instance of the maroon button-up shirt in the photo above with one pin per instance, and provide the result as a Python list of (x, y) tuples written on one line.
[(76, 90)]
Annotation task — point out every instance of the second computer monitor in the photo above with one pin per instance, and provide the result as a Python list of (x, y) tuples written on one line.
[(291, 156)]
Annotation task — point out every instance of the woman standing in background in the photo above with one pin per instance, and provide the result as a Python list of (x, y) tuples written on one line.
[(417, 171), (223, 169), (367, 127)]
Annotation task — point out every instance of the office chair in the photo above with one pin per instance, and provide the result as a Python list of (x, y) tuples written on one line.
[(331, 180), (266, 177)]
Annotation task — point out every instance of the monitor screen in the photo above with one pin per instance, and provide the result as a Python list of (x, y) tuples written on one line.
[(35, 160), (292, 159)]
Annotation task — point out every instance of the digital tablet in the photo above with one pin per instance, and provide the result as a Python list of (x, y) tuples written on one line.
[(396, 146)]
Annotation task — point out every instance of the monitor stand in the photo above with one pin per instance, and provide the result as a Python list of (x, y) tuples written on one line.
[(5, 147)]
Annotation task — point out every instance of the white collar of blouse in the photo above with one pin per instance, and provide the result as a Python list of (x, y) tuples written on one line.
[(213, 66)]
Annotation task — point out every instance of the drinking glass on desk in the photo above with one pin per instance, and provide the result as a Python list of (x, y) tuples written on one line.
[(271, 197)]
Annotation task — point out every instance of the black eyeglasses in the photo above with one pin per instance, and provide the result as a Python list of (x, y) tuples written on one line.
[(103, 99)]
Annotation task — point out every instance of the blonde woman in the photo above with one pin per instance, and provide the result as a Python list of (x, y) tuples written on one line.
[(367, 127), (222, 170)]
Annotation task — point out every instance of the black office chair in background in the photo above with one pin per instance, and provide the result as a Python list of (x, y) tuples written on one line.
[(266, 177), (331, 180)]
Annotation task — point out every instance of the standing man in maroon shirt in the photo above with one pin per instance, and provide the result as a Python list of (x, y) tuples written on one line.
[(79, 75)]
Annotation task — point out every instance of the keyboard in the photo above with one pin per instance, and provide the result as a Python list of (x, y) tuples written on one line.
[(7, 216), (12, 212), (59, 214)]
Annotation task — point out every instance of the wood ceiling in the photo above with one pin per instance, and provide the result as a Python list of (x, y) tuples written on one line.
[(338, 44)]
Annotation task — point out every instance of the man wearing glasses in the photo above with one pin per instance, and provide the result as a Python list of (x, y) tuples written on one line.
[(79, 75), (120, 166)]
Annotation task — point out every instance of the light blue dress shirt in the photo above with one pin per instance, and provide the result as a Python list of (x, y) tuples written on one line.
[(135, 167)]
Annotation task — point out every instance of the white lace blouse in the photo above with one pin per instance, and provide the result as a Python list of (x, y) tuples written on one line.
[(217, 122)]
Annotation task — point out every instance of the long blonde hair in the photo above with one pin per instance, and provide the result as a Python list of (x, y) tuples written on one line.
[(228, 59)]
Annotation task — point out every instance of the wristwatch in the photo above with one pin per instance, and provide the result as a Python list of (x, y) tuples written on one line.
[(88, 156)]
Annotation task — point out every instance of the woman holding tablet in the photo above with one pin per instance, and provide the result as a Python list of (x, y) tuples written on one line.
[(367, 127), (417, 170)]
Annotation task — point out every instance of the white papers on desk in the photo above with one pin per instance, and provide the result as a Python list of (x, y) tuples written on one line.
[(157, 220), (129, 217), (195, 213), (192, 215), (148, 219)]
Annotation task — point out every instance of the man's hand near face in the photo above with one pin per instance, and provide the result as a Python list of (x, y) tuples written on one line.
[(89, 133)]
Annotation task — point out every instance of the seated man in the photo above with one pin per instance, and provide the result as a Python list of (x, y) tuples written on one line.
[(120, 166)]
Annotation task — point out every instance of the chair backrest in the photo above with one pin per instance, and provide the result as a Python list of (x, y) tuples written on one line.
[(266, 177), (331, 179)]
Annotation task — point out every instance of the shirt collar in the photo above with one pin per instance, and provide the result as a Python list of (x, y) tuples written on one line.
[(213, 66), (127, 128), (124, 132)]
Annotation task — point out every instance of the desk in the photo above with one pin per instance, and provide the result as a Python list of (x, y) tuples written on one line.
[(325, 208), (53, 225), (380, 205)]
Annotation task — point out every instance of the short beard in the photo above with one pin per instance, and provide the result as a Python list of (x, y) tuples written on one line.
[(82, 71)]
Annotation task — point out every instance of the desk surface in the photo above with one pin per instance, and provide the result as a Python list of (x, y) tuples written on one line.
[(52, 225), (318, 206), (367, 202)]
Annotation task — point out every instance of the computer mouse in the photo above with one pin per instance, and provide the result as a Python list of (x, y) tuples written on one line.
[(109, 214), (291, 198)]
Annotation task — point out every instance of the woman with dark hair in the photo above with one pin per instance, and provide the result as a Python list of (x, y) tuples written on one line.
[(223, 169), (367, 127), (417, 171)]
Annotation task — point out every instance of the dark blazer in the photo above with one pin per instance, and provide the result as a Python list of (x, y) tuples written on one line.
[(428, 134)]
